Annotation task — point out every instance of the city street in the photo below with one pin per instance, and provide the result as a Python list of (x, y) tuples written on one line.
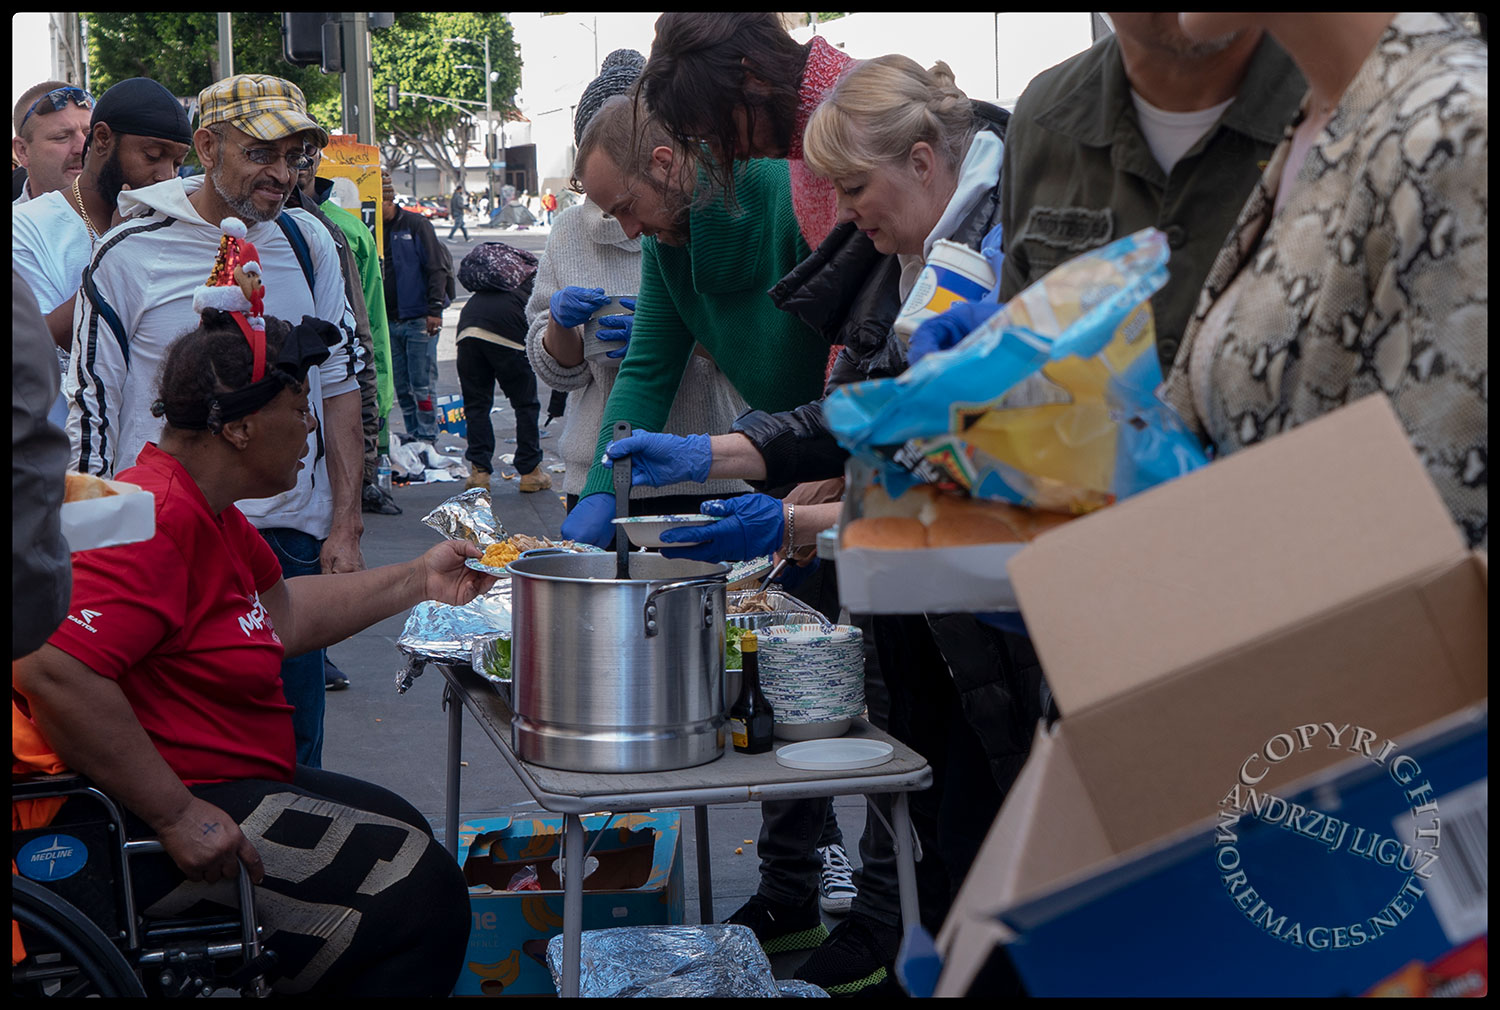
[(399, 741)]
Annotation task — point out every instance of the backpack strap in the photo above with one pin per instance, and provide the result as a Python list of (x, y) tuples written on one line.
[(299, 247)]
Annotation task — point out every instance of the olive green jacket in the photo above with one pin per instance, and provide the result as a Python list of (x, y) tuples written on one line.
[(1078, 174)]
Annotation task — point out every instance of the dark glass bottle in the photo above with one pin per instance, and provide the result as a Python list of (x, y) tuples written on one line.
[(750, 718)]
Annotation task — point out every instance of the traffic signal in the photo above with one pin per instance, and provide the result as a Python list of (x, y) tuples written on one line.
[(302, 37), (489, 147), (333, 48)]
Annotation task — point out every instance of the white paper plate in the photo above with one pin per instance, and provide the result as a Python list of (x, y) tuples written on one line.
[(646, 531), (480, 566), (834, 755)]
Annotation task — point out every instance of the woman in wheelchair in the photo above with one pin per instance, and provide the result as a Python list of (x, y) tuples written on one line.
[(163, 687)]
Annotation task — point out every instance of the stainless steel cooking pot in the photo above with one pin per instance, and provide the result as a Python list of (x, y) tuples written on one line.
[(617, 676)]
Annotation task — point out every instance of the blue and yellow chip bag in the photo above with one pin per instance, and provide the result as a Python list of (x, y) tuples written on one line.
[(1049, 404)]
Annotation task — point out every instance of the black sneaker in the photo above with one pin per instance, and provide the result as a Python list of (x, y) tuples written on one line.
[(836, 881), (854, 961), (781, 928), (334, 679)]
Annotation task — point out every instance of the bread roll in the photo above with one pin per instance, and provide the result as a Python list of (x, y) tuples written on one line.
[(975, 528), (888, 533), (879, 505), (84, 486), (968, 520)]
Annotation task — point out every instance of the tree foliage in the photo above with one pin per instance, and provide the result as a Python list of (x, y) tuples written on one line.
[(180, 51), (414, 56)]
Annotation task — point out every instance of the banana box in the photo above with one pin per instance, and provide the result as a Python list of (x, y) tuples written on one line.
[(633, 877)]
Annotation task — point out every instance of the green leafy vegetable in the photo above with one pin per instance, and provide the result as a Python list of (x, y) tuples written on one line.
[(732, 659), (497, 659)]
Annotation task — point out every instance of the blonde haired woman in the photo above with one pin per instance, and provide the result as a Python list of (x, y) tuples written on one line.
[(912, 161)]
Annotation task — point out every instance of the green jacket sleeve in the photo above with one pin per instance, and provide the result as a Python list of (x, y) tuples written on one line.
[(660, 345)]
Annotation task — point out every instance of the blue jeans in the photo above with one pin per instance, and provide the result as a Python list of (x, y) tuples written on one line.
[(414, 372), (302, 676)]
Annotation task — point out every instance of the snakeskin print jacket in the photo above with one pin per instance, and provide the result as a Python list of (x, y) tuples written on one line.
[(1373, 277)]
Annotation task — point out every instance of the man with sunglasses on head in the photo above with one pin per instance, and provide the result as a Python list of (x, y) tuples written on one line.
[(138, 136), (52, 123), (254, 136)]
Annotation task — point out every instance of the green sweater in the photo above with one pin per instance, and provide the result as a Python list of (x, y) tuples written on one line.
[(714, 291), (362, 245)]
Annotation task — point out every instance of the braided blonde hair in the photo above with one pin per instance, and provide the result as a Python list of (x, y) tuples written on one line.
[(879, 109)]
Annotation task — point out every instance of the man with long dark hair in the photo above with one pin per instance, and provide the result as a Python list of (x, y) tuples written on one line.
[(740, 85)]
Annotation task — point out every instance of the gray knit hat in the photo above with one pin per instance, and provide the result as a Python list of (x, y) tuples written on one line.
[(616, 75)]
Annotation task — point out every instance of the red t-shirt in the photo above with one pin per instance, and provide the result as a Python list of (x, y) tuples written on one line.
[(177, 622)]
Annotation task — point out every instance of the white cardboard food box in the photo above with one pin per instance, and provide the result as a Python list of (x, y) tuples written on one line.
[(1316, 576), (123, 518), (934, 580)]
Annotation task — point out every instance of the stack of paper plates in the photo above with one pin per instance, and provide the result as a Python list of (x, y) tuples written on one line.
[(811, 673)]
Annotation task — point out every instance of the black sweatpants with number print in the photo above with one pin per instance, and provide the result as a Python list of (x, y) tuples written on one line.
[(359, 899)]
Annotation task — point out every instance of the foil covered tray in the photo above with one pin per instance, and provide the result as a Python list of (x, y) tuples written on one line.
[(785, 609), (436, 632), (713, 961)]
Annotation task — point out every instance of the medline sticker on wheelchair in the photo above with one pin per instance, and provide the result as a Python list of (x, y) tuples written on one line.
[(52, 857)]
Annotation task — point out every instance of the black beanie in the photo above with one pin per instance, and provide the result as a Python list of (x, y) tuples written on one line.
[(616, 75), (145, 108)]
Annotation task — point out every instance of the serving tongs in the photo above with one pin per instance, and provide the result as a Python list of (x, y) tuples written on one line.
[(765, 587), (622, 506)]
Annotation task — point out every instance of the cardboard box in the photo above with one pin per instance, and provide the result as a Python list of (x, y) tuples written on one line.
[(639, 882), (450, 412), (1317, 578)]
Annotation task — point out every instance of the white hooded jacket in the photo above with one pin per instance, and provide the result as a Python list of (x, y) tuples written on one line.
[(137, 298)]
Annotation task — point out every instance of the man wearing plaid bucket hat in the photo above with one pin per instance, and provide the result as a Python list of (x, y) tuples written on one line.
[(253, 138)]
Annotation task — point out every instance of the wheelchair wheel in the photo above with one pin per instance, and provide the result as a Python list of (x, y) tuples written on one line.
[(66, 954)]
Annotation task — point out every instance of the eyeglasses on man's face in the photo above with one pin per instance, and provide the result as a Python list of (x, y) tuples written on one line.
[(56, 100), (297, 161)]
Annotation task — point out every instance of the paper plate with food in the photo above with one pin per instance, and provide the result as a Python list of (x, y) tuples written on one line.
[(497, 555)]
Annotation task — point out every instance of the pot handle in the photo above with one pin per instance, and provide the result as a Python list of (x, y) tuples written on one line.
[(650, 608)]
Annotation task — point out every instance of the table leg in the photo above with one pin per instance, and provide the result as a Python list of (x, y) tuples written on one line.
[(906, 866), (455, 749), (705, 874), (573, 849)]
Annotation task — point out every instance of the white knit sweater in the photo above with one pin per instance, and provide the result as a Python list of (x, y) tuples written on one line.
[(589, 249)]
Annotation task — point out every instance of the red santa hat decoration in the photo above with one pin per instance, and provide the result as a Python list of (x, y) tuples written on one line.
[(235, 285)]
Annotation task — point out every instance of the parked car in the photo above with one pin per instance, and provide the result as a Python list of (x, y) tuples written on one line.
[(435, 209)]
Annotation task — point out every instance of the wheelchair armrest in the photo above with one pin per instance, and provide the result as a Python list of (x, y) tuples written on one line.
[(38, 785)]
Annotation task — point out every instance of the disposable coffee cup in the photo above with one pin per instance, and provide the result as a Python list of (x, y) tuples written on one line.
[(953, 273), (593, 347)]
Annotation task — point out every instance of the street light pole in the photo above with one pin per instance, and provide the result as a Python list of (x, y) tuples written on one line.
[(489, 115)]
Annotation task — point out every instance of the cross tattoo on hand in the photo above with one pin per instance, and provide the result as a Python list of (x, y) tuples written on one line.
[(209, 829)]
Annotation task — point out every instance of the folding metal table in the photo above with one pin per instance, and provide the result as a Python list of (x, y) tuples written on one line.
[(733, 778)]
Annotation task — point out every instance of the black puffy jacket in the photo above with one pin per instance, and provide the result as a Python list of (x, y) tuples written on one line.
[(849, 292)]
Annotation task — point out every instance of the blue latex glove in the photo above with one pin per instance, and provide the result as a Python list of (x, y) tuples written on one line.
[(942, 332), (753, 526), (658, 460), (572, 306), (995, 256), (618, 328), (591, 521)]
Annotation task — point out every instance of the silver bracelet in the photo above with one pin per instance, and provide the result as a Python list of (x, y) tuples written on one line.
[(791, 526)]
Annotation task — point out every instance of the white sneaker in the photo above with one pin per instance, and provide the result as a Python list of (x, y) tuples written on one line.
[(836, 888)]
